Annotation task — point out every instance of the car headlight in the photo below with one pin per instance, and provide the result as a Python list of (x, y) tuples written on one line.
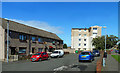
[(38, 56)]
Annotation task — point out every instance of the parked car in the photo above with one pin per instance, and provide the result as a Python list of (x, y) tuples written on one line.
[(57, 53), (86, 55), (96, 52), (39, 56)]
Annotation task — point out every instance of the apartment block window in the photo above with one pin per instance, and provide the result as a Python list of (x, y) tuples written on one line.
[(84, 39), (79, 39), (79, 34), (84, 44), (40, 40), (94, 28), (22, 37), (79, 44), (79, 29), (84, 34), (33, 39), (94, 33)]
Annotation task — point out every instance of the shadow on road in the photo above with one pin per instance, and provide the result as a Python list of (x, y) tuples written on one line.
[(81, 67)]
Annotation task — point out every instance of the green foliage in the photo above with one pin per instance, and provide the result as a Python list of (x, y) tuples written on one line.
[(119, 46), (65, 46), (99, 42)]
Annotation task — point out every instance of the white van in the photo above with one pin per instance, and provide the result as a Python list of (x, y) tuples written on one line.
[(57, 53)]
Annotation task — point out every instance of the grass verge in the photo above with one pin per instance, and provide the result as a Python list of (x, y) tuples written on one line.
[(116, 57)]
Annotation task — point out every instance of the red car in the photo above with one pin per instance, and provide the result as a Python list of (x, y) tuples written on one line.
[(39, 56)]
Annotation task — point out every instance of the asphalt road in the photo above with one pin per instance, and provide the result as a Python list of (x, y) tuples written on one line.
[(68, 63)]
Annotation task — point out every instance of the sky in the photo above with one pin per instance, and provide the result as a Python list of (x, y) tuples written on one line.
[(61, 17)]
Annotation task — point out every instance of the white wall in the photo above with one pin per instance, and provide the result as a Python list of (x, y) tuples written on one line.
[(2, 43)]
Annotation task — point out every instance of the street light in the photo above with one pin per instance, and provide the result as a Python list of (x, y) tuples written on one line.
[(7, 40), (105, 54), (105, 37)]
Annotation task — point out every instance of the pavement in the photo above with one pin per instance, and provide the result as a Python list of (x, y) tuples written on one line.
[(111, 64), (0, 66), (68, 63)]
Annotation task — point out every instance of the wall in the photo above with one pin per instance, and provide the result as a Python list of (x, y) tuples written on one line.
[(2, 43)]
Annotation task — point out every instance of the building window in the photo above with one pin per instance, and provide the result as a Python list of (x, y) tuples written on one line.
[(79, 34), (40, 49), (22, 37), (94, 33), (85, 30), (79, 39), (84, 39), (22, 50), (79, 44), (84, 34), (33, 39), (79, 29), (84, 44), (94, 28), (40, 40)]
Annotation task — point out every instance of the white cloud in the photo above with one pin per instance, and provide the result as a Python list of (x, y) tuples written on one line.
[(40, 25)]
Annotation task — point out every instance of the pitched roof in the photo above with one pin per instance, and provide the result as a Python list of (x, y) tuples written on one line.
[(15, 26)]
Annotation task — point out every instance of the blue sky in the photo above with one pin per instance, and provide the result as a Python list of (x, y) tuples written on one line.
[(61, 17)]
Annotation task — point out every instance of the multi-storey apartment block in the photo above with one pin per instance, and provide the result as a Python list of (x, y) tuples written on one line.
[(27, 40), (81, 38)]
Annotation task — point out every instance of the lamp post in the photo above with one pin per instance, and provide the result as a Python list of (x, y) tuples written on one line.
[(7, 40), (105, 54), (105, 37), (91, 44)]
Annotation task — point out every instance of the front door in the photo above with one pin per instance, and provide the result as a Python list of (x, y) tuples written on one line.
[(13, 51), (33, 50)]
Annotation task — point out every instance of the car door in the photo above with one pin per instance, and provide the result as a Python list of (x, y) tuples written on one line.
[(92, 55), (44, 56)]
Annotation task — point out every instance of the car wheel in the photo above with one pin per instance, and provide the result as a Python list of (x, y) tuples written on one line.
[(91, 60), (48, 58), (40, 59)]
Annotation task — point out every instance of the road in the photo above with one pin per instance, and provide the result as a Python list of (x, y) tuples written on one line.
[(68, 63)]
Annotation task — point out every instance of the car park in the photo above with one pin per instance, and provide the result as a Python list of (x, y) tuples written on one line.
[(39, 56), (57, 53), (86, 55), (96, 53)]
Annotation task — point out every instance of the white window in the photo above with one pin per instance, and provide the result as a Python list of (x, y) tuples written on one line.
[(85, 30), (94, 34), (84, 44), (94, 28), (84, 34), (79, 30), (79, 39), (79, 44), (79, 34), (84, 39)]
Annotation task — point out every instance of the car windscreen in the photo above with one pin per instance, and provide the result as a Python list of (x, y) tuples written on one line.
[(95, 51), (84, 53), (55, 52), (37, 54)]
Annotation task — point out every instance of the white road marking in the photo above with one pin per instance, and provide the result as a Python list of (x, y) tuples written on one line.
[(60, 68)]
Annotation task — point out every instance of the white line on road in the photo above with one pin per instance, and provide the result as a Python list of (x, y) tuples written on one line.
[(60, 68)]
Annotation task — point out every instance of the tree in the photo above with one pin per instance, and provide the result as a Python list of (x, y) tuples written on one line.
[(65, 46), (119, 46), (99, 42)]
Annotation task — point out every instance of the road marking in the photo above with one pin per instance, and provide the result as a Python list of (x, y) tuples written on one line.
[(60, 68)]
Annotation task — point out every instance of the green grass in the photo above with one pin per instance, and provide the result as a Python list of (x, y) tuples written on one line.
[(116, 57)]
